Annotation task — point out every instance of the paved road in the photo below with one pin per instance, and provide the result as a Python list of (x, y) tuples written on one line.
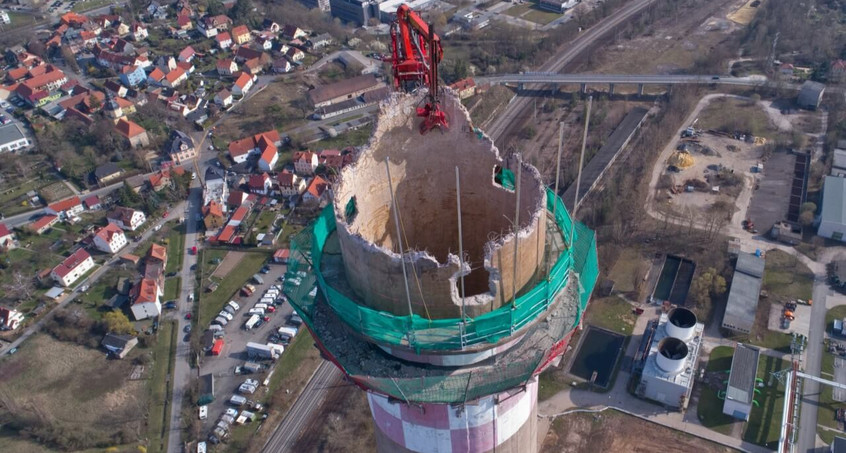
[(518, 106), (648, 79), (807, 438), (182, 370), (91, 280), (283, 438)]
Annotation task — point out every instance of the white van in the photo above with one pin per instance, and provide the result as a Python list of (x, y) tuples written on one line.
[(204, 412), (257, 311), (234, 305), (215, 328), (262, 306), (237, 400), (287, 332), (221, 320), (226, 315)]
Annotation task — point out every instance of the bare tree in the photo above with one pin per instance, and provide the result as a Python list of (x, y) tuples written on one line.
[(20, 286)]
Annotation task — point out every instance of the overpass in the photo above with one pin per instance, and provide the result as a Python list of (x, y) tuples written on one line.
[(618, 79)]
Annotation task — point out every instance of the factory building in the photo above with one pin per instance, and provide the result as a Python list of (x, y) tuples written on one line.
[(740, 394), (669, 368)]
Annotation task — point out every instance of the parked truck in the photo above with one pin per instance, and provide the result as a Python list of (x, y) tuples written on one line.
[(287, 332), (251, 322), (237, 400), (262, 351)]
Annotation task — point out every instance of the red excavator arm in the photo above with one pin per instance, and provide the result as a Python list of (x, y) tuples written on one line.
[(416, 53)]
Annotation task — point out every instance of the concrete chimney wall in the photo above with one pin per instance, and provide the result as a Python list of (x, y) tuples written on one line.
[(423, 174)]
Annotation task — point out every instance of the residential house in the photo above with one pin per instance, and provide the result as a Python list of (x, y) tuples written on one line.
[(107, 172), (293, 32), (290, 184), (65, 209), (109, 239), (160, 180), (223, 98), (72, 268), (317, 191), (4, 18), (305, 162), (213, 215), (319, 41), (253, 66), (175, 78), (157, 11), (7, 238), (464, 87), (131, 76), (241, 34), (187, 54), (269, 155), (157, 255), (43, 224), (183, 22), (786, 70), (242, 84), (837, 71), (295, 54), (156, 76), (145, 299), (10, 319), (257, 144), (260, 184), (265, 41), (118, 345), (92, 203), (270, 26), (210, 26), (236, 199), (12, 138), (138, 31), (226, 67), (281, 66), (224, 40), (135, 134), (114, 88), (127, 218), (181, 148)]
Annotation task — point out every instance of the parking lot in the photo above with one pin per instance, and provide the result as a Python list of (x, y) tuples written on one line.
[(234, 351)]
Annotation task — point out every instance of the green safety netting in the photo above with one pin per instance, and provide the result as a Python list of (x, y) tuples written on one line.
[(304, 270)]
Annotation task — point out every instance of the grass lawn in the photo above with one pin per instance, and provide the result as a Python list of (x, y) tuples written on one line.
[(709, 409), (175, 249), (518, 10), (730, 115), (288, 231), (264, 220), (628, 271), (212, 303), (786, 278), (86, 5), (765, 421), (20, 19), (159, 411), (358, 137), (292, 373), (550, 382), (838, 312), (612, 313), (171, 288), (540, 16), (105, 288)]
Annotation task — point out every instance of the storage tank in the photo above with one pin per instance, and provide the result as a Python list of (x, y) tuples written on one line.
[(672, 353), (682, 322)]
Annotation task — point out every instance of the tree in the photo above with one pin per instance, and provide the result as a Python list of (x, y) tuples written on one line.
[(216, 8), (127, 197), (117, 322), (19, 287), (241, 11), (708, 285), (806, 218)]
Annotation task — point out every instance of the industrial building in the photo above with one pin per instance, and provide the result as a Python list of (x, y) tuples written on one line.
[(740, 392), (448, 345), (354, 11), (557, 6), (833, 217), (669, 368), (810, 95), (743, 296)]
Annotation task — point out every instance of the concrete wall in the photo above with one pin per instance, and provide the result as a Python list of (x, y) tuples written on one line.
[(505, 423), (423, 177)]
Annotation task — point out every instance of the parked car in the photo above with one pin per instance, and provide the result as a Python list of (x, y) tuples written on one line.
[(170, 305)]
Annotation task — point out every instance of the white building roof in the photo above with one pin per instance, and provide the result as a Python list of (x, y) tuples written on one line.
[(834, 200)]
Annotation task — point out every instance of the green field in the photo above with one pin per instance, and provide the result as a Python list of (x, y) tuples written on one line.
[(549, 384), (786, 278), (175, 249), (765, 421), (159, 411), (212, 303), (171, 288), (612, 313), (730, 115), (710, 406), (532, 13)]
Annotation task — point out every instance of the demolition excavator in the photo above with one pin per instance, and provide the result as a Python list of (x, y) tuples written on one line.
[(416, 52)]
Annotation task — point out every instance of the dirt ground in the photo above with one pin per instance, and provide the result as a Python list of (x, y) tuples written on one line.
[(276, 106), (67, 386), (615, 432), (345, 424), (230, 261)]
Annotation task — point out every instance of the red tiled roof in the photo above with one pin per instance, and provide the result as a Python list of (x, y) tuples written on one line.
[(258, 181), (285, 179), (213, 208), (187, 53), (43, 221), (268, 153), (226, 234), (304, 156), (225, 63), (183, 20), (223, 37), (70, 263), (239, 214), (65, 204), (242, 80), (128, 129), (158, 252), (244, 145), (145, 291), (177, 73), (463, 84), (317, 187), (108, 232), (93, 200), (157, 75), (240, 31), (4, 231), (282, 254)]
